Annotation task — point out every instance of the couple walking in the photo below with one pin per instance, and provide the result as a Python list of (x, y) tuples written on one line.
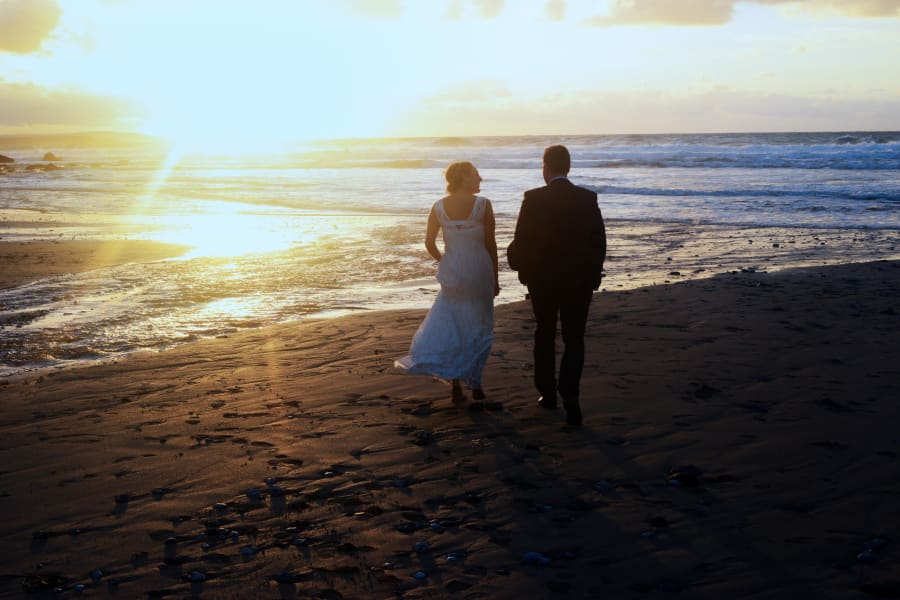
[(558, 251)]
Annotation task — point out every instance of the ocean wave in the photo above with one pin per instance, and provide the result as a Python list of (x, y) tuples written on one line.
[(831, 193), (404, 163), (867, 138)]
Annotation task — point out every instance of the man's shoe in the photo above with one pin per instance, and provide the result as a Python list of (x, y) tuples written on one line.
[(547, 403), (573, 417), (573, 413)]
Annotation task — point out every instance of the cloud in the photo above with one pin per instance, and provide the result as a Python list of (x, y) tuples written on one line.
[(376, 9), (454, 11), (30, 105), (25, 24), (861, 8), (489, 8), (555, 10), (684, 12), (390, 9), (719, 12)]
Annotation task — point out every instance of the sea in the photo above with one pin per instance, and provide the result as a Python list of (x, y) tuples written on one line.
[(326, 228)]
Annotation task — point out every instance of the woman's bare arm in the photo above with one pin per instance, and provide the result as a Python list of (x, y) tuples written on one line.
[(490, 242), (431, 232)]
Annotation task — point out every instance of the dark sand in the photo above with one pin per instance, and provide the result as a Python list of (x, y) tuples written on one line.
[(741, 441)]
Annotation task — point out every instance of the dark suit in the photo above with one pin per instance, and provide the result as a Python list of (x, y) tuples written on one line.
[(558, 250)]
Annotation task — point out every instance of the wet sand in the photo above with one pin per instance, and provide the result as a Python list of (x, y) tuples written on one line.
[(24, 262), (740, 441)]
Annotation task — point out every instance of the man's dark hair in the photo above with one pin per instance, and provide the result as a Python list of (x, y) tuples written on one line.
[(557, 159)]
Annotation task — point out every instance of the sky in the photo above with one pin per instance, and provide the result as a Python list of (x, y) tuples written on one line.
[(225, 73)]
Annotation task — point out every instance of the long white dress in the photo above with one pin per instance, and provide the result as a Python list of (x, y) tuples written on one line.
[(454, 340)]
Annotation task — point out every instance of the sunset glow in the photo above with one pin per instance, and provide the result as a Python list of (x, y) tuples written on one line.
[(225, 230), (228, 76)]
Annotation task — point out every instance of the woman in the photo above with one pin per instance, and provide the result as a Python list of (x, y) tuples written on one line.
[(454, 340)]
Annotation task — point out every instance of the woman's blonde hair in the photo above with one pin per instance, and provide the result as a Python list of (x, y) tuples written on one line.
[(456, 175)]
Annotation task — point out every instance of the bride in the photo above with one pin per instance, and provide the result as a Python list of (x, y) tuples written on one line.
[(454, 340)]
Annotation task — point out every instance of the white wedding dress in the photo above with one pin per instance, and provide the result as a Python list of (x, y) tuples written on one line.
[(454, 340)]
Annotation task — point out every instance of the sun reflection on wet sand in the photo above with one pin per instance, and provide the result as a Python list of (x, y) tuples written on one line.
[(226, 233)]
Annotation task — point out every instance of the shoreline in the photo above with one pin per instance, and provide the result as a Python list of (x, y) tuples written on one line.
[(666, 253), (739, 441)]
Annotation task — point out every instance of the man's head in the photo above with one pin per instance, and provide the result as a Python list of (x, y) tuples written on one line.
[(556, 162)]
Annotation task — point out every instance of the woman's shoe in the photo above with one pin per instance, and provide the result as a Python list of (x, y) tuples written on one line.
[(457, 394)]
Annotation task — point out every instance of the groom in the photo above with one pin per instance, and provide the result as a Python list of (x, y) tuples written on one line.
[(558, 250)]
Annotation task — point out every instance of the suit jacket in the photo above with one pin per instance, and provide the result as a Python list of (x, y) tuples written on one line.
[(560, 237)]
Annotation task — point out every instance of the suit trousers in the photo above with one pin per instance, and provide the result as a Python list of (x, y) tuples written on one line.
[(571, 306)]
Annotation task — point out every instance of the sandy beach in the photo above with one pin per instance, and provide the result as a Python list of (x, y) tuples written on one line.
[(740, 441)]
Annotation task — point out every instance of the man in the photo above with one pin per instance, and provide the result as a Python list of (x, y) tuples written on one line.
[(558, 250)]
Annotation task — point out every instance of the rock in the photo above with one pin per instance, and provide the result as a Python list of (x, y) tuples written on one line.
[(874, 544), (39, 583), (455, 585), (423, 437), (659, 522), (867, 556), (535, 558), (604, 487), (6, 159), (422, 411), (285, 577), (705, 392), (49, 156), (687, 475)]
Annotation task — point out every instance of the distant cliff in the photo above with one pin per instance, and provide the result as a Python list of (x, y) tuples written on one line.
[(99, 139)]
